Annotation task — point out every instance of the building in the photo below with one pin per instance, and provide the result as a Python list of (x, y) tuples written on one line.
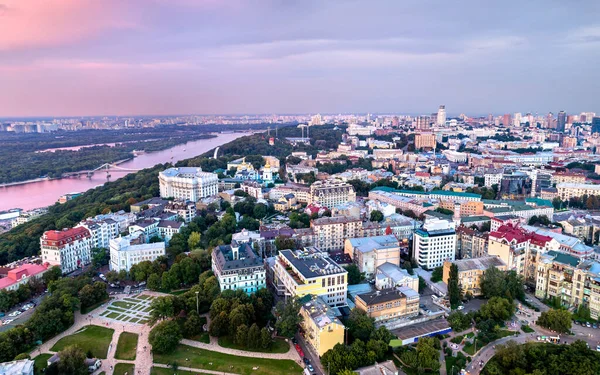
[(422, 122), (69, 249), (470, 243), (102, 231), (567, 191), (322, 329), (389, 304), (20, 367), (331, 193), (237, 267), (330, 233), (368, 253), (562, 276), (21, 275), (187, 183), (441, 116), (166, 229), (561, 121), (425, 141), (130, 250), (383, 368), (185, 210), (568, 177), (471, 272), (434, 243), (389, 275), (595, 125), (25, 217), (310, 271)]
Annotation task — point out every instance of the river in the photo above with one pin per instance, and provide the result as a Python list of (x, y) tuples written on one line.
[(45, 193)]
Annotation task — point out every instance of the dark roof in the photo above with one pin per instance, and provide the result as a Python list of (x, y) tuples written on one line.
[(380, 296), (246, 257)]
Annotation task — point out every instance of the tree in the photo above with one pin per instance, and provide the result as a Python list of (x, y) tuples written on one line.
[(454, 289), (72, 361), (219, 325), (169, 280), (284, 243), (497, 308), (165, 336), (254, 336), (192, 325), (54, 273), (436, 274), (558, 320), (360, 325), (422, 284), (100, 257), (241, 335), (193, 240), (162, 308), (265, 338), (376, 216), (259, 211), (492, 284), (288, 317), (354, 274), (154, 282)]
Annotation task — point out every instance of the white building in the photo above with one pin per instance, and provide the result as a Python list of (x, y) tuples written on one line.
[(389, 275), (187, 183), (129, 250), (493, 178), (434, 243), (330, 193), (102, 231), (168, 228), (21, 367), (237, 266), (567, 191), (441, 116), (69, 249), (368, 253)]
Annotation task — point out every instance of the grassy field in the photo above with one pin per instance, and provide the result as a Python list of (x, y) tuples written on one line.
[(167, 371), (127, 346), (203, 337), (40, 363), (91, 338), (122, 368), (123, 305), (277, 346), (202, 359)]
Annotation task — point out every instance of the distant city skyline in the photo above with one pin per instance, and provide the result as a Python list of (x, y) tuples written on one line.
[(72, 58)]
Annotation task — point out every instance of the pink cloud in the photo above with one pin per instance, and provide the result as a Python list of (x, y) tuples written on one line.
[(50, 23)]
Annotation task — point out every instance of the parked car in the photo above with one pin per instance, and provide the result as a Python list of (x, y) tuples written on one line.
[(306, 360), (310, 368), (8, 321), (587, 324), (461, 307), (595, 325)]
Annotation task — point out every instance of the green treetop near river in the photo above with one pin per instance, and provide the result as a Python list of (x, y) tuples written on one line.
[(24, 240)]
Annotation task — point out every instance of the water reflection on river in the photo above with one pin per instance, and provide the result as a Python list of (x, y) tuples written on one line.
[(45, 193)]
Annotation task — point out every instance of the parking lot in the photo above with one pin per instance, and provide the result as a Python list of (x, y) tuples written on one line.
[(12, 318)]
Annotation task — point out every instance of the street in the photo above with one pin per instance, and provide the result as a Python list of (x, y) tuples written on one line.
[(21, 319)]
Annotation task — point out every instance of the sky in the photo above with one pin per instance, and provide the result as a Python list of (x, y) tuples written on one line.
[(128, 57)]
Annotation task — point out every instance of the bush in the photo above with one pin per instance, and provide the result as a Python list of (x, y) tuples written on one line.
[(165, 336)]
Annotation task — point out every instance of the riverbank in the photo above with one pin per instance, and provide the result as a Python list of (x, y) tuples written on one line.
[(44, 192)]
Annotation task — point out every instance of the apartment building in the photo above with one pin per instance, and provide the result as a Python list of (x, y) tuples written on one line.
[(568, 177), (434, 243), (471, 272), (469, 208), (425, 140), (330, 233), (132, 249), (566, 191), (102, 231), (166, 229), (416, 205), (322, 329), (401, 226), (187, 183), (22, 275), (470, 243), (389, 304), (562, 276), (368, 253), (301, 192), (330, 193), (238, 267), (310, 271), (69, 249), (185, 210)]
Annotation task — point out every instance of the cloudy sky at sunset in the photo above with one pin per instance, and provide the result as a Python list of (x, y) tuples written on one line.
[(93, 57)]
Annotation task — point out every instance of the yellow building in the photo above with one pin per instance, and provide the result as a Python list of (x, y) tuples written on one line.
[(471, 272), (310, 271), (322, 329), (425, 140), (389, 304)]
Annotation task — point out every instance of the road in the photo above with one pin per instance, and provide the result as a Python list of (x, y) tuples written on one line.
[(311, 355), (21, 319)]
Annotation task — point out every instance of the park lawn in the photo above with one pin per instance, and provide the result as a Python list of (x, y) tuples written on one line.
[(91, 338), (201, 359), (40, 363), (122, 368), (168, 371), (203, 337), (123, 305), (277, 346), (127, 346), (89, 309)]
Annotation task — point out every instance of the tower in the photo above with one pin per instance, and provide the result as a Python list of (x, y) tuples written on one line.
[(441, 116), (561, 121)]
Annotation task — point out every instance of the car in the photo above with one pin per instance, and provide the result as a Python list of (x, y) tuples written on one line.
[(595, 326), (8, 321), (294, 341), (310, 368), (576, 322), (306, 361), (14, 313), (461, 307), (587, 324)]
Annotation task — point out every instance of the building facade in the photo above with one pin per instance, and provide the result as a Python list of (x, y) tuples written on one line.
[(322, 329), (187, 183), (389, 304), (131, 250), (331, 193), (237, 267), (471, 272), (368, 253), (69, 249), (434, 243)]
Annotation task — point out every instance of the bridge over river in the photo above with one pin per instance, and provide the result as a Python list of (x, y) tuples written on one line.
[(107, 167)]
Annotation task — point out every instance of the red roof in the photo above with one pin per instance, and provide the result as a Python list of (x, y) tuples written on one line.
[(24, 271), (64, 237)]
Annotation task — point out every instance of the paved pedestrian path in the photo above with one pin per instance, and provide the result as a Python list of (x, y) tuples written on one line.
[(214, 346), (202, 371)]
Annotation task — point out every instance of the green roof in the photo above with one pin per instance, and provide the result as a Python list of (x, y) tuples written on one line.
[(470, 219), (385, 188), (438, 214), (455, 194), (539, 201), (498, 210), (564, 258), (411, 192)]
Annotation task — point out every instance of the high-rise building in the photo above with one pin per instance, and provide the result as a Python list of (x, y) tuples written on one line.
[(596, 125), (561, 121), (422, 122), (506, 120), (434, 243), (441, 116), (425, 140), (517, 119)]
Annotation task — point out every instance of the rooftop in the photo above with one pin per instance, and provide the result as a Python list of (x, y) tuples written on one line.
[(320, 313), (224, 255), (386, 295), (311, 262), (368, 244), (482, 263)]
